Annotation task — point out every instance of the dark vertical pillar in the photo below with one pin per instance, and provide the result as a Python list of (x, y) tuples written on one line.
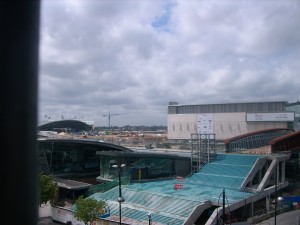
[(223, 208), (120, 195), (19, 42), (275, 208)]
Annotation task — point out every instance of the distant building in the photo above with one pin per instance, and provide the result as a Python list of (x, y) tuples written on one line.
[(66, 126), (227, 120), (294, 107)]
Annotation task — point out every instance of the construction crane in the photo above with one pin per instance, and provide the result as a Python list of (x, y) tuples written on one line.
[(110, 115)]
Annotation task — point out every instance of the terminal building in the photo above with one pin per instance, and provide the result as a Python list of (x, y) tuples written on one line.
[(92, 161)]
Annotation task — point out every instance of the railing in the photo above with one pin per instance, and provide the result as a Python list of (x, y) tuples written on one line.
[(259, 216), (191, 174), (260, 212), (249, 189), (284, 153)]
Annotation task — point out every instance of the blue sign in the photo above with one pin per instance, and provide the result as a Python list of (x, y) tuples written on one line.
[(106, 213)]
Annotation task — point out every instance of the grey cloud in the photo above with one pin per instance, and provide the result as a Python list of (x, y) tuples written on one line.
[(106, 56)]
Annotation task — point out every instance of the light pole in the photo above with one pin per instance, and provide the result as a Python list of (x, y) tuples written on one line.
[(275, 207), (277, 198), (223, 206), (150, 218), (120, 198)]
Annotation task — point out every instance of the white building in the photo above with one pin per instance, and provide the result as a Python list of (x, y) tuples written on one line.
[(225, 120)]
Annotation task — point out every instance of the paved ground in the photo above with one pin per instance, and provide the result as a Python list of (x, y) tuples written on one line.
[(288, 218), (44, 215), (47, 221), (45, 210)]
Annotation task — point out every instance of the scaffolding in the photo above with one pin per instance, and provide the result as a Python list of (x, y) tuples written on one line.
[(203, 150)]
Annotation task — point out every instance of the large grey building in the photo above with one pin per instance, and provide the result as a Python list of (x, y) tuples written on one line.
[(226, 120)]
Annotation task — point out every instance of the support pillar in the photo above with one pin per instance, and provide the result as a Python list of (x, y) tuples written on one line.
[(268, 203), (251, 209), (283, 171)]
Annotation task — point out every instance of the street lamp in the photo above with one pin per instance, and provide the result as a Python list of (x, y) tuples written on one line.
[(277, 198), (277, 202), (223, 205), (150, 218), (120, 198)]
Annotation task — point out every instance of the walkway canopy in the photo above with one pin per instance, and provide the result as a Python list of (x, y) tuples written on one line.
[(289, 142), (262, 138)]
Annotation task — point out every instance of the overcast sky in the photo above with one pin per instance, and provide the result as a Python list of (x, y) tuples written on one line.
[(131, 58)]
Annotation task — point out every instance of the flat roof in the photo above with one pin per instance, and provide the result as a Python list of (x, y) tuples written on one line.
[(141, 152), (71, 184), (175, 200)]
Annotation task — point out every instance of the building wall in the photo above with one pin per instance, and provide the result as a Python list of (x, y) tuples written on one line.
[(295, 107), (225, 125), (225, 120), (253, 126), (229, 125), (181, 126)]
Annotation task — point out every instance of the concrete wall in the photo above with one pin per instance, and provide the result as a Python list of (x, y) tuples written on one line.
[(181, 126), (64, 215), (225, 125), (228, 125)]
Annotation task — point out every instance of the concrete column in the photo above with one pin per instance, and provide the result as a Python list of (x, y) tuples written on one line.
[(259, 175), (277, 174), (283, 171), (251, 208), (268, 203)]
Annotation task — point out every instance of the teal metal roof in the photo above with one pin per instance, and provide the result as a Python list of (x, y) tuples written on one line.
[(171, 206)]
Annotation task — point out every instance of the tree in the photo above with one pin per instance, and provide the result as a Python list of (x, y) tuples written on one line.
[(48, 188), (88, 209)]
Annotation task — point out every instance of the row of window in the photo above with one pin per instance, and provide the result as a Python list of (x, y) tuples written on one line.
[(258, 107)]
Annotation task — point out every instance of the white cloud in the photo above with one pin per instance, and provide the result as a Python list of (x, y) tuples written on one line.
[(133, 57)]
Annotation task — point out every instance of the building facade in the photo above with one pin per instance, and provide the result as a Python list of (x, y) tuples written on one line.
[(295, 107), (225, 120), (85, 159)]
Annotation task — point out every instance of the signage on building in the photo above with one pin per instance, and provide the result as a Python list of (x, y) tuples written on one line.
[(205, 123), (274, 117), (178, 186)]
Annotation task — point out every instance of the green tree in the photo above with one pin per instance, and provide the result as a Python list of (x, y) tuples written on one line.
[(48, 188), (88, 209)]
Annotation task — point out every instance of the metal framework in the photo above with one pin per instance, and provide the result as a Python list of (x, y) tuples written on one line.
[(203, 150)]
